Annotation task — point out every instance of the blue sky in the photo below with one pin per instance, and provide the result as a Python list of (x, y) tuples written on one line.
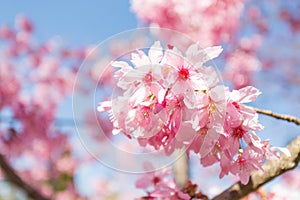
[(77, 22)]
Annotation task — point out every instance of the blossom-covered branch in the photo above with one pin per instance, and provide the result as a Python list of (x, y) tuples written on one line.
[(288, 118), (272, 169), (172, 100), (12, 177)]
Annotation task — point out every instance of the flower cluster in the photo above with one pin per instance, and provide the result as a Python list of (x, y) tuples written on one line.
[(212, 22), (239, 72), (160, 185), (35, 78), (191, 17), (172, 100), (162, 94)]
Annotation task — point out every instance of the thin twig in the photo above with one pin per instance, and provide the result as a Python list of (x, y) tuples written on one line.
[(13, 178), (288, 118), (272, 169)]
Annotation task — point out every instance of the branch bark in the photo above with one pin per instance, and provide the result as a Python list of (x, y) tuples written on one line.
[(13, 178), (181, 170), (272, 169), (288, 118)]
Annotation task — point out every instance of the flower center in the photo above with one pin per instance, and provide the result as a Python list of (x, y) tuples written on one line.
[(148, 78), (239, 132), (236, 105), (156, 180), (184, 73)]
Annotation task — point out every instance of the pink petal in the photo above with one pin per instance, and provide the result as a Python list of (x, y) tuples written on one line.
[(155, 53), (185, 133), (248, 94)]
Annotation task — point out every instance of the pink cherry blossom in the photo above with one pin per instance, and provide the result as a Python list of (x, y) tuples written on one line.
[(246, 162), (34, 81), (160, 184), (190, 16), (211, 23), (161, 91), (171, 100), (239, 71)]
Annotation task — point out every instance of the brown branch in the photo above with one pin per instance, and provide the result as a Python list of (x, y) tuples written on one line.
[(278, 116), (272, 169), (181, 170), (13, 178)]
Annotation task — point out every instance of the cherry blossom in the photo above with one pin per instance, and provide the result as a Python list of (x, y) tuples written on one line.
[(171, 100), (161, 90), (189, 17), (160, 184), (211, 23), (34, 81)]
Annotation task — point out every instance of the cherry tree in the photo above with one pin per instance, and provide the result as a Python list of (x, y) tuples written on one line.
[(171, 97), (35, 79), (244, 28)]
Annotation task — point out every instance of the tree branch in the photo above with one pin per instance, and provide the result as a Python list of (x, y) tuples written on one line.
[(13, 178), (272, 169), (278, 116), (181, 170)]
